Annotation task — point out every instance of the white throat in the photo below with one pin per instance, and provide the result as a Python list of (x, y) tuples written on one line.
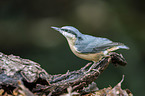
[(68, 35)]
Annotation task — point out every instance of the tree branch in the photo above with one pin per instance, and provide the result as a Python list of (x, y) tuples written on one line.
[(14, 69)]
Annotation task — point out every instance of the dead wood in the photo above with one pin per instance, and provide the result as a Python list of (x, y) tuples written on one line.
[(23, 76)]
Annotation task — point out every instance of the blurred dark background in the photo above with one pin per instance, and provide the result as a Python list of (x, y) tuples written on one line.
[(25, 31)]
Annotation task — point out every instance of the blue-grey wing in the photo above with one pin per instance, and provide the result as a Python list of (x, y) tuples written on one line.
[(90, 44)]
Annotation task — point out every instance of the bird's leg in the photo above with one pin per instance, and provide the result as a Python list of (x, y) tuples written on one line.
[(86, 66), (93, 66)]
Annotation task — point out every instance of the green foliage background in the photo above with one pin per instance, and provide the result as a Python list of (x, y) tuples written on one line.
[(25, 31)]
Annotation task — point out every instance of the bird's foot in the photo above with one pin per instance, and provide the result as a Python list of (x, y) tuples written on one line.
[(95, 64), (96, 70)]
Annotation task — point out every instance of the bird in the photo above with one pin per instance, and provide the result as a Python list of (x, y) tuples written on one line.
[(88, 47)]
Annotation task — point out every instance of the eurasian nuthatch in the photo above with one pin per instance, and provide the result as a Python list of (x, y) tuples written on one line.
[(88, 47)]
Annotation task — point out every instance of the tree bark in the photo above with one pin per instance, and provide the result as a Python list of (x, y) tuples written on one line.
[(25, 77)]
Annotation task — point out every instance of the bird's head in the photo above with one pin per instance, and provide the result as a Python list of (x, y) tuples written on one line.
[(69, 32)]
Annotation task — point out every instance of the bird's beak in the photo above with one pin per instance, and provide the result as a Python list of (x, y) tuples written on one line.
[(56, 28)]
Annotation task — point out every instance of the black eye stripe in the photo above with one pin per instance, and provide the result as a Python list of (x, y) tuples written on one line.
[(65, 30), (69, 31), (72, 32)]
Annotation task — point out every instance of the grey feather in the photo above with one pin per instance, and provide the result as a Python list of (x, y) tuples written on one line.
[(86, 43), (91, 44)]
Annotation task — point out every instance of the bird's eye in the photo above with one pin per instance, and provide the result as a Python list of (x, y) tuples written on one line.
[(69, 31), (80, 38), (66, 30)]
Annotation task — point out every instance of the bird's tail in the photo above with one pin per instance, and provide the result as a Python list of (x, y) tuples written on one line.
[(122, 46), (115, 46)]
